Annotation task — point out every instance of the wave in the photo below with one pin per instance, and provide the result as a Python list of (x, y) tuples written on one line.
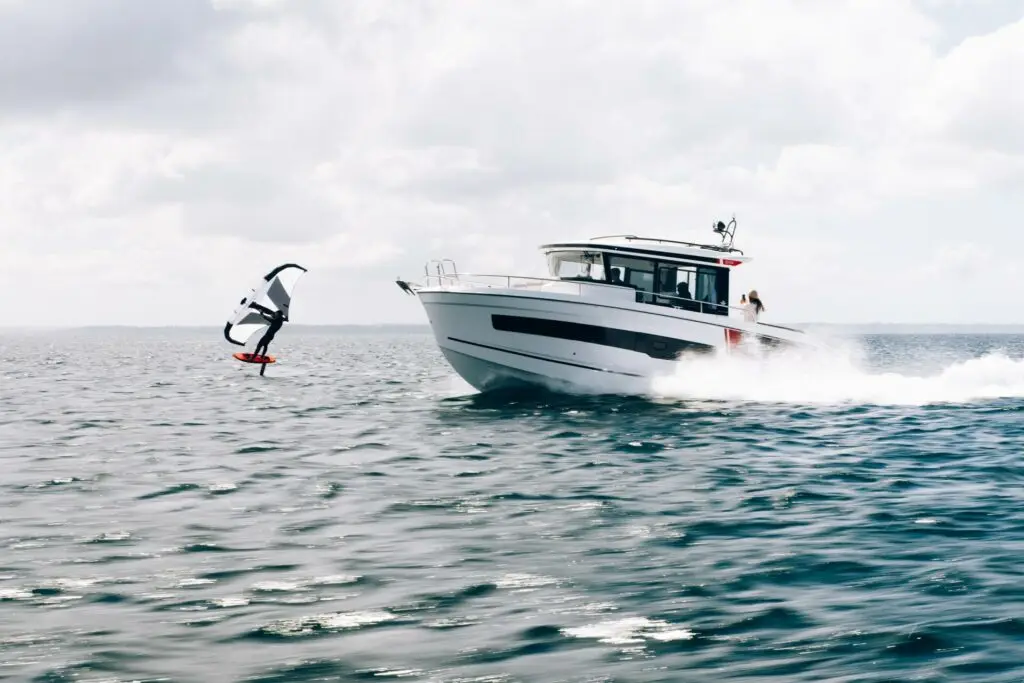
[(838, 373)]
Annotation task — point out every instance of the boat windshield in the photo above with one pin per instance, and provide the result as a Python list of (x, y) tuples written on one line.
[(576, 265)]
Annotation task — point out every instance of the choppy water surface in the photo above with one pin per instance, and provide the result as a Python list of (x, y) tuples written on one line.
[(358, 514)]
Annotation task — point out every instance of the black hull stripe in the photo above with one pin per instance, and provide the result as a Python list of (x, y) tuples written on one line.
[(653, 345), (616, 308), (542, 358)]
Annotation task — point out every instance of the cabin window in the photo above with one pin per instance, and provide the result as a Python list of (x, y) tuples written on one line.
[(675, 285), (634, 272), (707, 290), (675, 280), (711, 288), (721, 290), (668, 277), (695, 288), (576, 265)]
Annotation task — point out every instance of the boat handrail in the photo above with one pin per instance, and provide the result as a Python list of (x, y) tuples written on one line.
[(464, 278), (739, 309), (660, 240), (439, 267)]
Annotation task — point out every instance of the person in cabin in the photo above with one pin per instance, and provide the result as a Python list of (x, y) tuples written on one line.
[(686, 301), (276, 320)]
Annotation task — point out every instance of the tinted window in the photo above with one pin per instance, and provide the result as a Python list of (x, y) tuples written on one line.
[(636, 272)]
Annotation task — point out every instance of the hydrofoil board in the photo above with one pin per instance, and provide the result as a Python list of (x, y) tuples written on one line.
[(253, 358)]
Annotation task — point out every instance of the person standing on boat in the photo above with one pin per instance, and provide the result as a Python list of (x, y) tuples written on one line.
[(753, 308)]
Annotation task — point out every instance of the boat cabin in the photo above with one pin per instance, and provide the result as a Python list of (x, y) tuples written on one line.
[(682, 275)]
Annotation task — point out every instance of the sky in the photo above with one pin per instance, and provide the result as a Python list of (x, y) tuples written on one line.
[(156, 158)]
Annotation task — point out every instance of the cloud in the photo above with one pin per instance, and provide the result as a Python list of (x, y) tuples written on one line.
[(186, 147), (68, 53), (975, 96)]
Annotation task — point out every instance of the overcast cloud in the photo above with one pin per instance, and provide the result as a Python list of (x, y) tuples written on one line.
[(157, 157)]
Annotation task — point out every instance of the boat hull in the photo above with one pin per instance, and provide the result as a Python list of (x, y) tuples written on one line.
[(498, 340)]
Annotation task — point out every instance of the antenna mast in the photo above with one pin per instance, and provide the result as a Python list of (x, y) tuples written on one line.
[(726, 232)]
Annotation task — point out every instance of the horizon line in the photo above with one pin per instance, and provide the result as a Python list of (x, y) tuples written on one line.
[(426, 326)]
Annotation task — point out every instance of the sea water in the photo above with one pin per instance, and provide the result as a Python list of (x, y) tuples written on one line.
[(359, 513)]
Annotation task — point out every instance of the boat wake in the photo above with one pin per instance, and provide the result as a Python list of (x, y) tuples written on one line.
[(840, 374)]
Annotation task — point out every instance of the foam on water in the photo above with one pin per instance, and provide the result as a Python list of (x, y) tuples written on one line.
[(838, 372)]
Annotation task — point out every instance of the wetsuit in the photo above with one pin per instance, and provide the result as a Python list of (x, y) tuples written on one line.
[(276, 320)]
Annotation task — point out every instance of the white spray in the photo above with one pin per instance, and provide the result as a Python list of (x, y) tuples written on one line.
[(837, 373)]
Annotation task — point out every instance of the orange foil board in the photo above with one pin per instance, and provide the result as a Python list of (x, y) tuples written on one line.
[(251, 358)]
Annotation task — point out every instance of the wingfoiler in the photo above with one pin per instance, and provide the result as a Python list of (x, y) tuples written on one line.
[(263, 310)]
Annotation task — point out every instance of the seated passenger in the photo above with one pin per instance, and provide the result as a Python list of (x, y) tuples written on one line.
[(686, 303), (614, 277)]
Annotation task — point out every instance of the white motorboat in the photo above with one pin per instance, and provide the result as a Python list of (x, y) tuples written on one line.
[(615, 312)]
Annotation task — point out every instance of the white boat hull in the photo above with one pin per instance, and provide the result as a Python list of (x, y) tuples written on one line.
[(501, 339)]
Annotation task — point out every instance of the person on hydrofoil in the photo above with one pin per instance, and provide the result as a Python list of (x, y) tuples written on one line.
[(276, 319)]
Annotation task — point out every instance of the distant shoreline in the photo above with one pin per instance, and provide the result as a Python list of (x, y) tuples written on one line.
[(858, 329), (910, 328)]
